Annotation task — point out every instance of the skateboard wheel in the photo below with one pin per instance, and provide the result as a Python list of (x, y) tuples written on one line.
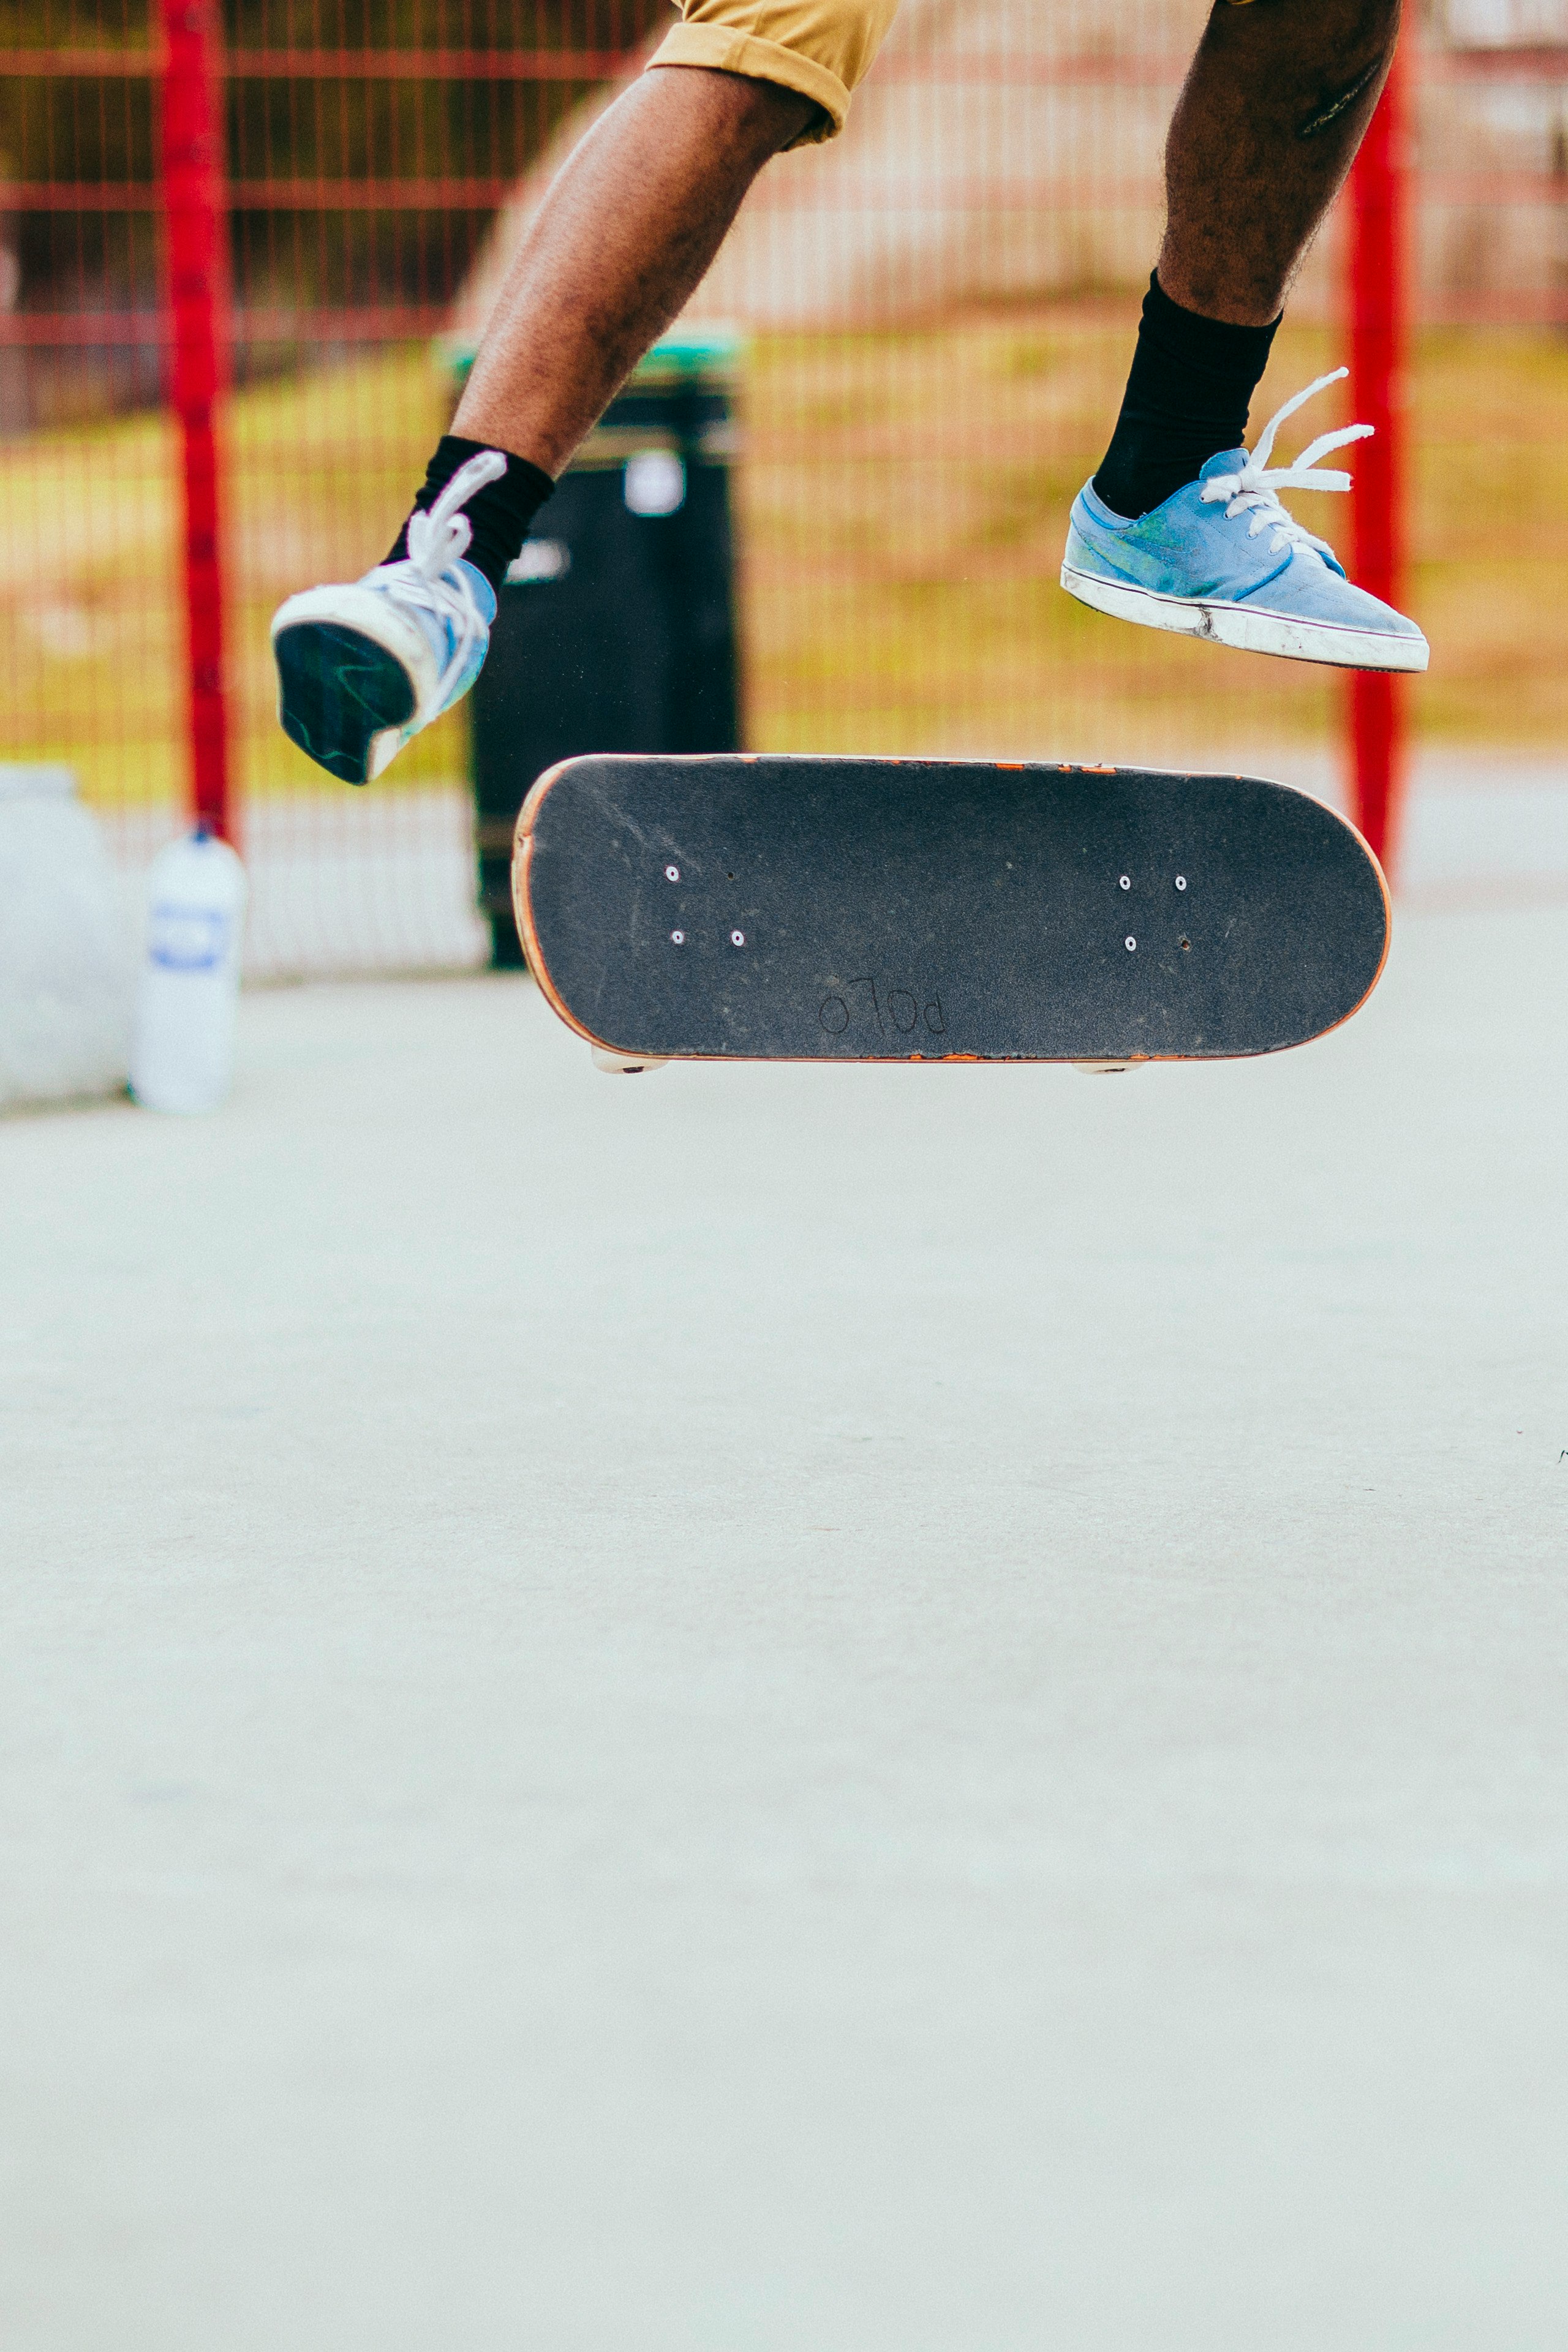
[(622, 1065)]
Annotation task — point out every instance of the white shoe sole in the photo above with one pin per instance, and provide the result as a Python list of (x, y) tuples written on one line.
[(1250, 630)]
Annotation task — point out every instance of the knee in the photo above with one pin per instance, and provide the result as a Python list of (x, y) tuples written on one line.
[(1352, 66), (1351, 29), (822, 49), (1324, 59), (1341, 101), (1335, 17)]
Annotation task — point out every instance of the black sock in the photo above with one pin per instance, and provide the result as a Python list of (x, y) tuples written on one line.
[(1187, 397), (500, 513)]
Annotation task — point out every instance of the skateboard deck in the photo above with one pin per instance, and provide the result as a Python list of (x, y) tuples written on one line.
[(744, 906)]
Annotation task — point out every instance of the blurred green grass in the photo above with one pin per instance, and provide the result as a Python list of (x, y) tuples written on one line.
[(901, 507)]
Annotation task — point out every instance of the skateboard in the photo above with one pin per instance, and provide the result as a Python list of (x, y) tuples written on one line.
[(752, 908)]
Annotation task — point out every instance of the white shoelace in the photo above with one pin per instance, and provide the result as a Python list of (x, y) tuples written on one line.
[(430, 575), (1255, 488)]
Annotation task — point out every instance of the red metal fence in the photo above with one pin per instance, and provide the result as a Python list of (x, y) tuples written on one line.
[(1376, 297), (196, 216)]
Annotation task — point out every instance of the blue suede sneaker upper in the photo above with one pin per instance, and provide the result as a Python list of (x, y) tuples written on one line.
[(450, 602), (455, 610), (1226, 541), (363, 665)]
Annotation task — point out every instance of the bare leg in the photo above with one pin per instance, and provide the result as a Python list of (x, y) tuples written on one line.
[(625, 234), (1265, 130)]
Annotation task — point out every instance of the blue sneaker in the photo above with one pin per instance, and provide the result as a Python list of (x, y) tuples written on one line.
[(364, 666), (1222, 560)]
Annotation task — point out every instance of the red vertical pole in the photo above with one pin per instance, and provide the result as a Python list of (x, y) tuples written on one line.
[(1377, 291), (196, 218)]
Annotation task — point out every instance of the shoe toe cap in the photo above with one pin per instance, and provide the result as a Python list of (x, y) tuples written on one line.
[(1308, 591)]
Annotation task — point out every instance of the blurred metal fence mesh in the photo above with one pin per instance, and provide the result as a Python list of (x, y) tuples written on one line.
[(937, 310)]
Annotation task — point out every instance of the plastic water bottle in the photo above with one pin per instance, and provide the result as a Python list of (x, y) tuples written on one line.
[(181, 1055)]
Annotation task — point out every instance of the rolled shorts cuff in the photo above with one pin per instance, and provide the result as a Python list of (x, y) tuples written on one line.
[(723, 51)]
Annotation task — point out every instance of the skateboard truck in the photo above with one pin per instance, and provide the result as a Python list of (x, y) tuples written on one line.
[(622, 1065)]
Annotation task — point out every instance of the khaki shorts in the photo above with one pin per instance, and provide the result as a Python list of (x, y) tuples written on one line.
[(821, 47)]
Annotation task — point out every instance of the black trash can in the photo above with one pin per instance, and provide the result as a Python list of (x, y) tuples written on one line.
[(616, 626)]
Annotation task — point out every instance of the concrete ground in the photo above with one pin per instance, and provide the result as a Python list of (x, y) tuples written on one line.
[(792, 1710)]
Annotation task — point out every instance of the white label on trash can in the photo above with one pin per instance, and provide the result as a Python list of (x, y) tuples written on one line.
[(542, 559), (654, 482)]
